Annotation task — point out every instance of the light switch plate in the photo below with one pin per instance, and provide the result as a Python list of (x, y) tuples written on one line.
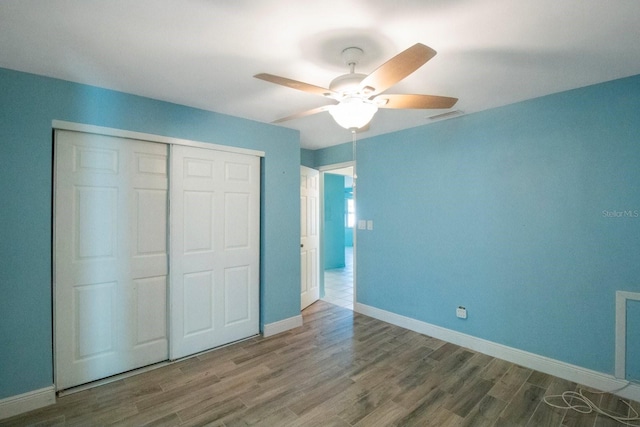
[(370, 224), (362, 224)]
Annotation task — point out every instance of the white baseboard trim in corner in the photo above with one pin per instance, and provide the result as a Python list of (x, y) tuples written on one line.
[(282, 325), (544, 364), (16, 405)]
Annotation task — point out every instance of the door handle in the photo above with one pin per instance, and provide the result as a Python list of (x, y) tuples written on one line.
[(301, 245)]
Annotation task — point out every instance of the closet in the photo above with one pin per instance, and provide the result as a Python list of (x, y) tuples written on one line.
[(156, 251)]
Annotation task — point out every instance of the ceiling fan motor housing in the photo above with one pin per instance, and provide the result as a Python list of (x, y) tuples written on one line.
[(347, 83)]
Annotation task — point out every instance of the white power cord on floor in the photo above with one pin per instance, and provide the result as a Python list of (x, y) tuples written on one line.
[(578, 402)]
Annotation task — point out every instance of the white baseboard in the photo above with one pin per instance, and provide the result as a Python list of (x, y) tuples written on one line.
[(16, 405), (282, 325), (577, 374)]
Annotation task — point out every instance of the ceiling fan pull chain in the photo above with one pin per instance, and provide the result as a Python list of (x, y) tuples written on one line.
[(353, 156)]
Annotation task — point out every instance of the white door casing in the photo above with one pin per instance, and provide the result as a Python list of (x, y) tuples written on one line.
[(309, 236), (110, 266), (215, 248)]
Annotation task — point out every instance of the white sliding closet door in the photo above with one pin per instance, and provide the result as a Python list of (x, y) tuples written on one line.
[(215, 220), (110, 256)]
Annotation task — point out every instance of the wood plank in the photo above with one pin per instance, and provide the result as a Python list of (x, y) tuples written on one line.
[(546, 415), (354, 408), (468, 396), (486, 411), (423, 412), (385, 415), (510, 382), (522, 406)]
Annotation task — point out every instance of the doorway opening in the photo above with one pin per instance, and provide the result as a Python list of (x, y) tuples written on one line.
[(338, 222)]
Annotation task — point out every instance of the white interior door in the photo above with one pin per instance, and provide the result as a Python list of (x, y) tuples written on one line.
[(110, 256), (215, 220), (309, 236)]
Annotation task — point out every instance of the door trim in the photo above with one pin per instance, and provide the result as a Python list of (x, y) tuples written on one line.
[(149, 137)]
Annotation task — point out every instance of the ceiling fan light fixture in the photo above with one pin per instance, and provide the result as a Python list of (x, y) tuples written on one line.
[(353, 113), (356, 97)]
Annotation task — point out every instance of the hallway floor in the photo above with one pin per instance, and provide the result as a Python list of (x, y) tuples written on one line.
[(338, 283)]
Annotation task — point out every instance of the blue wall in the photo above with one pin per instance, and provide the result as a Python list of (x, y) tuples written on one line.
[(334, 234), (508, 212), (332, 155), (28, 105), (307, 157)]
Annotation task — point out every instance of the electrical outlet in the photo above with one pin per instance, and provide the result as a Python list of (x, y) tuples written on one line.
[(461, 312)]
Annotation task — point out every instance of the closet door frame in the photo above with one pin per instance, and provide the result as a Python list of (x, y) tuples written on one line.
[(149, 137), (169, 141)]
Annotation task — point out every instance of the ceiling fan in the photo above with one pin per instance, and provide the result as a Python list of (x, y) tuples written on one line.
[(357, 96)]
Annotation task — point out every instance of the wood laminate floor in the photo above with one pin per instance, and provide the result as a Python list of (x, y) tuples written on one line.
[(339, 369)]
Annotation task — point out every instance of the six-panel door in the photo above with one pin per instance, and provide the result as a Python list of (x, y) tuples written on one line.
[(215, 248), (309, 236), (110, 256)]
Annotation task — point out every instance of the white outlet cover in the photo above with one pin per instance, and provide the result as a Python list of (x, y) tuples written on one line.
[(461, 312)]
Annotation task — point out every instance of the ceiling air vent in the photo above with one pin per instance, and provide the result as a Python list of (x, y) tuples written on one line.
[(447, 115)]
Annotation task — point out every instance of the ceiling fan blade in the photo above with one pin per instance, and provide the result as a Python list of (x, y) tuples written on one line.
[(304, 113), (294, 84), (397, 68), (414, 101)]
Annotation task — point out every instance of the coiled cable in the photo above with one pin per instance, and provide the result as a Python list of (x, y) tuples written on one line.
[(577, 401)]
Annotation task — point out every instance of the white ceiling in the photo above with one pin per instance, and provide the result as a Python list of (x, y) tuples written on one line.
[(203, 53)]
